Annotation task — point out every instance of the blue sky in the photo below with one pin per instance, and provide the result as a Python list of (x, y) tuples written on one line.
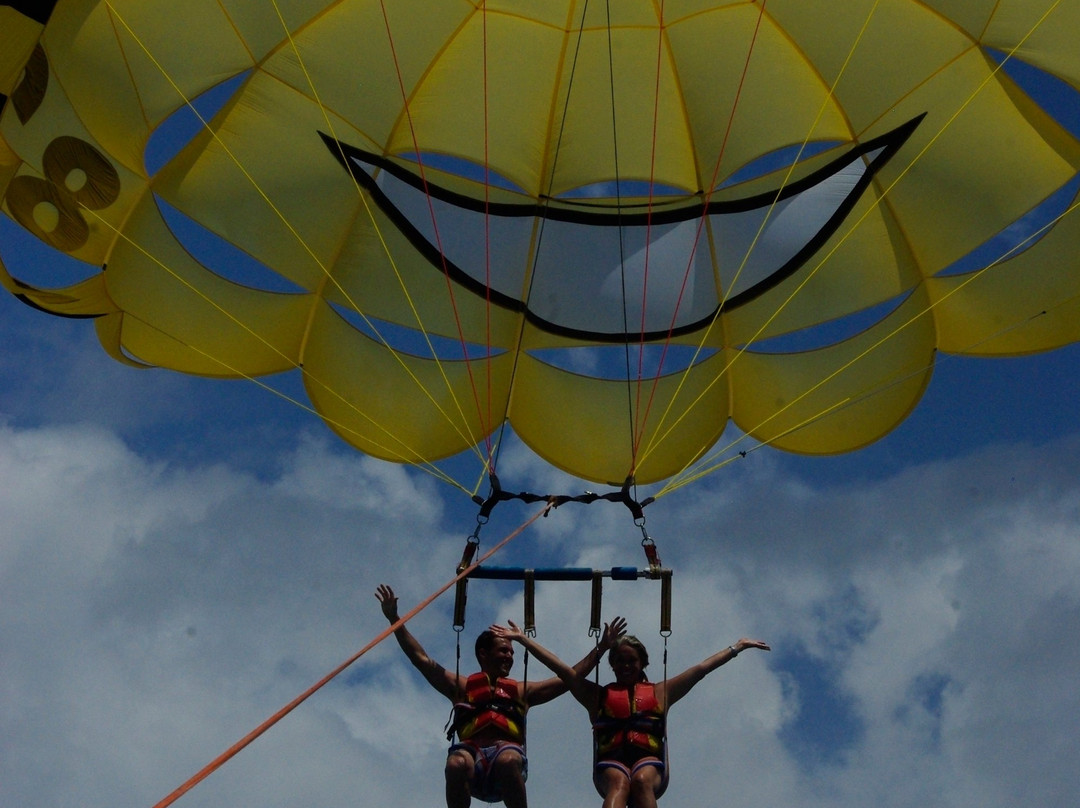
[(180, 557)]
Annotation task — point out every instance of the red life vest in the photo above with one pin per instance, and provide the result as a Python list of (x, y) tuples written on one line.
[(626, 720), (486, 704)]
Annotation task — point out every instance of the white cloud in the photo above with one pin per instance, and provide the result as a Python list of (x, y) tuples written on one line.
[(153, 615)]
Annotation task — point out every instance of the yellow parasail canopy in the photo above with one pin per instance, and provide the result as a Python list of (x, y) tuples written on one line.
[(613, 231)]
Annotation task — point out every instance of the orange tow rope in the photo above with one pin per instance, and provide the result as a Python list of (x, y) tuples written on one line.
[(221, 759)]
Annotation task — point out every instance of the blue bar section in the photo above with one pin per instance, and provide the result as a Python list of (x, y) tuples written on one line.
[(553, 573)]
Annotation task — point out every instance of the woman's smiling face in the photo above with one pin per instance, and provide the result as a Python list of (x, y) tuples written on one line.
[(627, 664)]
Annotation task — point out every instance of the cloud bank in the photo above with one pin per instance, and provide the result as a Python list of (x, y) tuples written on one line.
[(923, 630)]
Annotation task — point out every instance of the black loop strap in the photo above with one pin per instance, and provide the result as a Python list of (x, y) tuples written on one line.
[(530, 605), (597, 597), (498, 495)]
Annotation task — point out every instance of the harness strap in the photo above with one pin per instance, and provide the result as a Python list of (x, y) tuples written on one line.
[(497, 495)]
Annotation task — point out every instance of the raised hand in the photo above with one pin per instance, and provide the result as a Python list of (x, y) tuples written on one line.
[(746, 642), (508, 632), (612, 632), (388, 600)]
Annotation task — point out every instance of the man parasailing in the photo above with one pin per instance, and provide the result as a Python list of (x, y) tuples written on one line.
[(488, 759)]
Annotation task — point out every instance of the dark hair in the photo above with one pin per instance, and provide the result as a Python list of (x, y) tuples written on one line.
[(637, 645), (485, 641)]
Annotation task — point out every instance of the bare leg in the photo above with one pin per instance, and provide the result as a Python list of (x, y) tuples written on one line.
[(459, 771), (508, 768), (644, 784), (616, 788)]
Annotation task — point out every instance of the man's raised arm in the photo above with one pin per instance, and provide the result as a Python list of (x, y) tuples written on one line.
[(575, 679), (438, 677)]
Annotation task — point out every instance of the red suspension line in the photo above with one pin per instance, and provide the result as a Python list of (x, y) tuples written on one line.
[(480, 410), (704, 212)]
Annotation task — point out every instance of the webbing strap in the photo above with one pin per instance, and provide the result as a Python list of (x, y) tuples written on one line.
[(498, 495)]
